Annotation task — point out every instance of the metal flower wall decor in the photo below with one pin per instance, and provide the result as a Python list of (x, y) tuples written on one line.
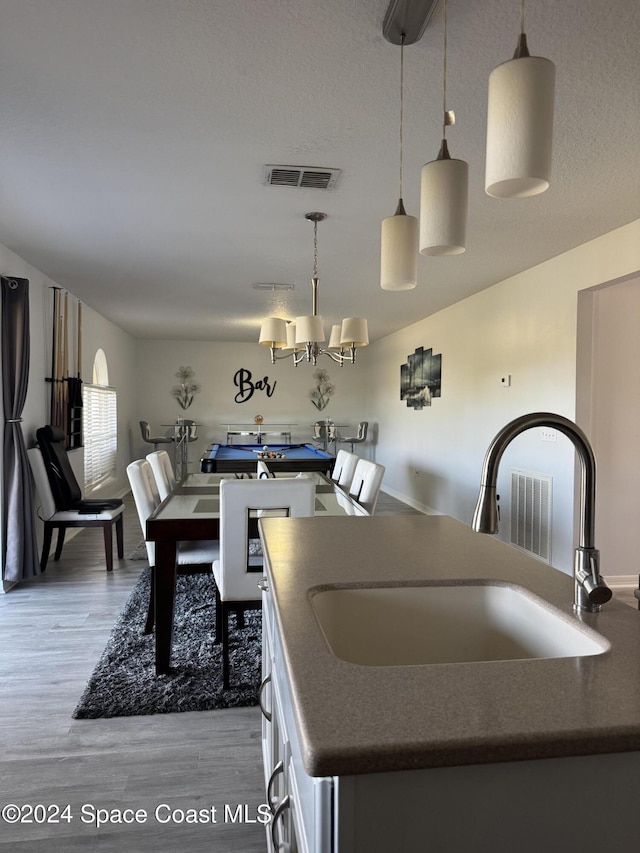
[(187, 389), (324, 390)]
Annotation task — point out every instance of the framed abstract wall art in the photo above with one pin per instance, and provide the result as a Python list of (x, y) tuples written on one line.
[(420, 378)]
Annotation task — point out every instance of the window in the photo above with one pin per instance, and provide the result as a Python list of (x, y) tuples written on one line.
[(100, 423)]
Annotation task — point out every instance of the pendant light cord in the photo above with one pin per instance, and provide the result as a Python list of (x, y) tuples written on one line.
[(401, 106), (521, 48), (444, 76)]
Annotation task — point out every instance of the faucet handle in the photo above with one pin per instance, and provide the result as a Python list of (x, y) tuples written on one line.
[(594, 591)]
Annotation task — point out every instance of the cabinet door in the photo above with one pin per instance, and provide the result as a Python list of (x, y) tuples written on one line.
[(270, 749), (302, 806)]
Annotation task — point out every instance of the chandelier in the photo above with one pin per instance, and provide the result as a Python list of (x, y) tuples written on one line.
[(302, 339)]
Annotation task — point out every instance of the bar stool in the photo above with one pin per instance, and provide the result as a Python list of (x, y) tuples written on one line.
[(153, 439), (363, 426)]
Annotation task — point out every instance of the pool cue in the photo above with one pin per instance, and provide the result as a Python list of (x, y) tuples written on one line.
[(65, 369), (250, 449), (54, 353)]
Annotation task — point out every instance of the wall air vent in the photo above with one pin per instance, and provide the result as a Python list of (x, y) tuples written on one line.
[(531, 513), (308, 177)]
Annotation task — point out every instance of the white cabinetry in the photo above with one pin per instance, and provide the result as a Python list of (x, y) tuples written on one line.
[(301, 805)]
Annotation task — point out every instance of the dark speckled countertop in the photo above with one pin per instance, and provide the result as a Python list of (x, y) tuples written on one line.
[(365, 719)]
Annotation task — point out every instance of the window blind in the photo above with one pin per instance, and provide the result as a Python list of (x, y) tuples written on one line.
[(100, 423)]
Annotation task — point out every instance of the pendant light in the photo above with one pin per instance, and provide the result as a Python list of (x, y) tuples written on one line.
[(399, 238), (520, 123), (444, 189)]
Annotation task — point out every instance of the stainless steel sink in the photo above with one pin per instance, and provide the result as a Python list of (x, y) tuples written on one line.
[(443, 623)]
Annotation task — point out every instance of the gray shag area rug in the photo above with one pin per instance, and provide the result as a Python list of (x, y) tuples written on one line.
[(124, 682), (139, 552)]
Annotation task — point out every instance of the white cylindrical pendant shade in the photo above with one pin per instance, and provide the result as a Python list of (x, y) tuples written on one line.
[(273, 332), (334, 338), (520, 127), (309, 330), (443, 207), (354, 332), (399, 252)]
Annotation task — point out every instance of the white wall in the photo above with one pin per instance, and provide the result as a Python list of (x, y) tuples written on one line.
[(525, 326), (97, 332), (609, 396), (215, 365)]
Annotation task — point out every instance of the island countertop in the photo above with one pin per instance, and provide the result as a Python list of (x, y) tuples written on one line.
[(363, 719)]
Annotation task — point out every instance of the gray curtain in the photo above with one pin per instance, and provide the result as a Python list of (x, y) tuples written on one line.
[(20, 557)]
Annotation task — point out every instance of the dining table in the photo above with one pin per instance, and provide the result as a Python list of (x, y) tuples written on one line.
[(192, 512)]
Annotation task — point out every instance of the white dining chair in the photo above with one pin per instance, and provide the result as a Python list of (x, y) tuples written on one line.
[(263, 471), (366, 483), (60, 520), (162, 468), (197, 553), (237, 572), (344, 468)]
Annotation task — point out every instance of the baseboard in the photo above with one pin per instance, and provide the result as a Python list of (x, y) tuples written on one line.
[(427, 510), (622, 580)]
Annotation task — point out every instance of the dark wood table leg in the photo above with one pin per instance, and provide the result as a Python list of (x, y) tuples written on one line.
[(165, 590), (107, 528), (120, 535)]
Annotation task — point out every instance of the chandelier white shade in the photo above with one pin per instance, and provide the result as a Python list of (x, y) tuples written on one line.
[(335, 336), (309, 330), (444, 194), (273, 333), (291, 339), (354, 332), (520, 125), (399, 251)]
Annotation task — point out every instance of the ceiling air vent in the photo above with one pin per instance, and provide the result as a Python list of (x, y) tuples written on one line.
[(272, 285), (309, 177)]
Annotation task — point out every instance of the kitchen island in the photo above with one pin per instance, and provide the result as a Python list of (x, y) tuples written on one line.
[(452, 751)]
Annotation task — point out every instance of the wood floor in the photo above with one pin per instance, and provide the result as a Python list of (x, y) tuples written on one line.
[(52, 632)]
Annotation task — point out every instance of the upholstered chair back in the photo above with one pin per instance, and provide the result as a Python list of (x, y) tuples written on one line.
[(47, 503), (290, 496), (162, 468), (263, 471), (366, 484), (344, 468), (146, 497)]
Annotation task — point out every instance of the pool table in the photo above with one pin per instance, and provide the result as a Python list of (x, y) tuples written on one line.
[(243, 458)]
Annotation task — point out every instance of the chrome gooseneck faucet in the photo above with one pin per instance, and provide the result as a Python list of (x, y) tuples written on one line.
[(590, 589)]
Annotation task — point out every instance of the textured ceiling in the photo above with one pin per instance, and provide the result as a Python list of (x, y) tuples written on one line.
[(134, 133)]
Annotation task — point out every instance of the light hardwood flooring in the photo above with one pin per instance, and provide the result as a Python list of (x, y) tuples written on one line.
[(52, 632)]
